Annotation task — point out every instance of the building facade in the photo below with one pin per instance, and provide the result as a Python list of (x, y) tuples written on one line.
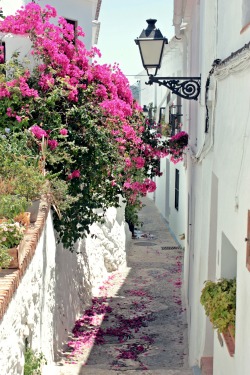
[(212, 41), (84, 13)]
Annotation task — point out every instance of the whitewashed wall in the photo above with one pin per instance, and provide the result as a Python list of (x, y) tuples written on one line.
[(31, 311), (198, 61), (232, 148), (56, 289), (164, 196), (82, 11), (218, 179), (217, 174)]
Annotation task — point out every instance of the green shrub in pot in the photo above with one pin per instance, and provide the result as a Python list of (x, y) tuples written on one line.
[(11, 234), (5, 258), (12, 205), (26, 180), (19, 172), (219, 301)]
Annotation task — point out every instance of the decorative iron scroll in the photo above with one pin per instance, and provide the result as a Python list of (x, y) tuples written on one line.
[(186, 87)]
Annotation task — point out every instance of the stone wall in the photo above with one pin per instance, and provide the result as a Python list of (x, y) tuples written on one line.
[(56, 287)]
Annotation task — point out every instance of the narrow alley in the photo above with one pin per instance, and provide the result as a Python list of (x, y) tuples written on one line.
[(137, 322)]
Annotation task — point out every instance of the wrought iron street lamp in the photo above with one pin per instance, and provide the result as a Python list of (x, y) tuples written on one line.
[(151, 45)]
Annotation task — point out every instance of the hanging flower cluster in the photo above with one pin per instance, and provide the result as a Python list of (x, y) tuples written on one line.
[(177, 144), (96, 138)]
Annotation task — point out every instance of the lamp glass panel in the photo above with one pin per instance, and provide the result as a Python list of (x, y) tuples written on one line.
[(151, 52)]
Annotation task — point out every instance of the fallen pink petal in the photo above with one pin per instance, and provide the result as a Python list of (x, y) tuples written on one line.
[(126, 328)]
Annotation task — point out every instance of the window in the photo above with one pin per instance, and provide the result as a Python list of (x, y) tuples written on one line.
[(74, 24), (2, 53), (176, 195), (245, 15), (248, 242), (175, 117), (228, 258)]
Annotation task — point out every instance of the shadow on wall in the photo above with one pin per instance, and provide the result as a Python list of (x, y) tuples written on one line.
[(72, 292), (79, 274)]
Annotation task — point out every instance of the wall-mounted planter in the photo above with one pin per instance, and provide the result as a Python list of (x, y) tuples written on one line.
[(23, 218), (219, 301), (229, 341), (231, 330), (13, 252), (17, 253)]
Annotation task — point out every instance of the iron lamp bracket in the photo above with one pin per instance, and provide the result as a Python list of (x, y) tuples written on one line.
[(186, 87)]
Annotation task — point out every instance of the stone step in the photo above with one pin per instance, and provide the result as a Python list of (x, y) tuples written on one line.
[(78, 369)]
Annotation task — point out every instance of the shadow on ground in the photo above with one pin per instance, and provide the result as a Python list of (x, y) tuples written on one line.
[(137, 323)]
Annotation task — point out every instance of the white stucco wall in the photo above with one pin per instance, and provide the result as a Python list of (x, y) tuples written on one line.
[(218, 180), (82, 11), (76, 10), (31, 312), (199, 40), (230, 39), (217, 174), (232, 148), (164, 196), (56, 289), (146, 92), (162, 191)]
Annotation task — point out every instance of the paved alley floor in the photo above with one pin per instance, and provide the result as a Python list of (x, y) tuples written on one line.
[(136, 325)]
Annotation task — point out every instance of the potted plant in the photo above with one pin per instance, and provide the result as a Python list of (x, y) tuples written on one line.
[(11, 206), (27, 187), (11, 235), (219, 301), (32, 186), (177, 144), (20, 175), (5, 258)]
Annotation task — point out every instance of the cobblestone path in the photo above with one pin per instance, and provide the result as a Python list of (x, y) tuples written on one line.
[(136, 325)]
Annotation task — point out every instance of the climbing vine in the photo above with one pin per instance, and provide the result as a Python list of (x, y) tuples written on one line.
[(79, 117)]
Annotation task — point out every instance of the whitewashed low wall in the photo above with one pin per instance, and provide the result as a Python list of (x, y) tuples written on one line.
[(56, 288)]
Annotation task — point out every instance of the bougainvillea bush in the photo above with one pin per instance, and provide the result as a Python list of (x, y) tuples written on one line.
[(80, 117)]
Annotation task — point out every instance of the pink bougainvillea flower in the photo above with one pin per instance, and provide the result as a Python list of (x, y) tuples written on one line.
[(128, 162), (52, 144), (151, 185), (139, 162), (127, 185), (66, 64), (76, 174), (25, 89), (63, 131), (46, 81), (38, 132), (9, 112)]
